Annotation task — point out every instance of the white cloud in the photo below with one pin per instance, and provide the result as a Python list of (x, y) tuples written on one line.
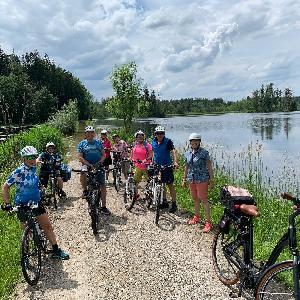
[(195, 48)]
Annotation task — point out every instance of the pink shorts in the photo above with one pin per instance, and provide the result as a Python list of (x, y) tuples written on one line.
[(199, 190)]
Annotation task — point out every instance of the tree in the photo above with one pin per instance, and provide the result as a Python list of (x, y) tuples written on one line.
[(127, 89)]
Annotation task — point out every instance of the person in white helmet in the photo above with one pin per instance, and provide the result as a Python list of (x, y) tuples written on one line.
[(91, 152), (107, 148), (27, 190), (50, 159), (198, 172), (164, 154)]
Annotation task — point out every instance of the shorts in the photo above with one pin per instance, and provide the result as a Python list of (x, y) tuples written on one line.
[(22, 213), (139, 174), (107, 162), (167, 176), (44, 177), (199, 190)]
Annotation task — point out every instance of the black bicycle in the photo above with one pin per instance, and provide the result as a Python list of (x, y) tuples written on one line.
[(33, 244), (93, 195), (232, 247), (155, 188), (117, 170)]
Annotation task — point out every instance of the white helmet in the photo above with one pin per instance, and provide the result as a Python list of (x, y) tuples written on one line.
[(194, 136), (159, 129), (104, 131), (27, 151), (50, 144), (89, 129), (140, 132)]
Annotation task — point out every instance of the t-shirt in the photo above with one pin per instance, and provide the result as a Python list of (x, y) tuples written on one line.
[(139, 152), (197, 165), (27, 184), (92, 151)]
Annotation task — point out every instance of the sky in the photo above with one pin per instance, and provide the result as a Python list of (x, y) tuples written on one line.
[(183, 48)]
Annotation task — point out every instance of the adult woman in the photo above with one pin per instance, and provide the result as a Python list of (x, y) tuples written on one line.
[(199, 173), (27, 190), (141, 153), (120, 150)]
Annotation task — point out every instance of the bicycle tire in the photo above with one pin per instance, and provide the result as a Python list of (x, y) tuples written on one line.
[(53, 192), (276, 282), (157, 201), (226, 265), (31, 256), (94, 211), (117, 181), (129, 194)]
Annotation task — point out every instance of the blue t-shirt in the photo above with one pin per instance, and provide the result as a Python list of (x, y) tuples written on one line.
[(162, 151), (197, 165), (27, 184), (92, 152)]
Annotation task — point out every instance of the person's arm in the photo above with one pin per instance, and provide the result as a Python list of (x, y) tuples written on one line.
[(183, 183), (82, 160), (5, 193), (211, 173), (174, 158), (102, 156)]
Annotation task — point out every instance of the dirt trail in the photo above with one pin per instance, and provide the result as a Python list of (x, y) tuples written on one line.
[(131, 258)]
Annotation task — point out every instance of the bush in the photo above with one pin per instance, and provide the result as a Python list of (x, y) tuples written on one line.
[(66, 119)]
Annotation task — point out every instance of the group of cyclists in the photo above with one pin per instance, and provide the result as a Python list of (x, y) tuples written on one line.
[(94, 151)]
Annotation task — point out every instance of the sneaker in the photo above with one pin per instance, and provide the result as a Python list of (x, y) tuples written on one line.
[(84, 194), (207, 227), (173, 207), (194, 220), (60, 254), (105, 211), (164, 204), (62, 194)]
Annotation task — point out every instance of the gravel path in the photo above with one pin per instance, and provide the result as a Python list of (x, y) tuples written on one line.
[(131, 258)]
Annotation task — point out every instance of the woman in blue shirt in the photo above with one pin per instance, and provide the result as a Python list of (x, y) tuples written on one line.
[(27, 190), (199, 173)]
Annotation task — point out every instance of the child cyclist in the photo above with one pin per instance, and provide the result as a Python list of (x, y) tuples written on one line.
[(27, 190), (199, 173), (141, 151)]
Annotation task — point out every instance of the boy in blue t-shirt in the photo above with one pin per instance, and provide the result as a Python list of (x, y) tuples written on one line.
[(90, 152)]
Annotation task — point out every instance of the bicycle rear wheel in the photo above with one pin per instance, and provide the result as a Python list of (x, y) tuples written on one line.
[(276, 283), (227, 250), (31, 259), (117, 181), (54, 192)]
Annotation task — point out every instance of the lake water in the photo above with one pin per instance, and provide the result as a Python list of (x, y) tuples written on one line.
[(277, 135)]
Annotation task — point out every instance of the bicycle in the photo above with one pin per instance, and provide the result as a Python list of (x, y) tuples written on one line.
[(281, 281), (232, 247), (33, 243), (117, 170), (155, 188), (93, 195)]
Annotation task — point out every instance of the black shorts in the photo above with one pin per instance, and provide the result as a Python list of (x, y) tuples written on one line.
[(22, 213), (167, 175), (107, 161)]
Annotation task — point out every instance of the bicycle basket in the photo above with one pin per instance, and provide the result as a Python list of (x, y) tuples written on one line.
[(232, 195)]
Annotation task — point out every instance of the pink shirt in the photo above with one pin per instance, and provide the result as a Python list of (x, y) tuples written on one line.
[(139, 152)]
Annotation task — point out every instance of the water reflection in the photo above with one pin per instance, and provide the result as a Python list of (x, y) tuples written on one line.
[(267, 127)]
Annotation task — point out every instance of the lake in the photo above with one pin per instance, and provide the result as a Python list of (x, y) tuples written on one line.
[(276, 135)]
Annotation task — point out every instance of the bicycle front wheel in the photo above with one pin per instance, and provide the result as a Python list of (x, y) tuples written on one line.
[(157, 200), (276, 283), (31, 259), (227, 250), (94, 211)]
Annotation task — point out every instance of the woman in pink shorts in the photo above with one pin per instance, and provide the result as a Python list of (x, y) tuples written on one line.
[(199, 173)]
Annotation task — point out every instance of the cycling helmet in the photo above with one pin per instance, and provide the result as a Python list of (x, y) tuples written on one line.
[(115, 135), (140, 132), (28, 150), (89, 129), (159, 129), (195, 136), (104, 131), (50, 144)]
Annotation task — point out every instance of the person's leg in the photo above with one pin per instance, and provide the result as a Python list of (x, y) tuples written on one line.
[(83, 181), (60, 183), (202, 194), (172, 192), (196, 218), (138, 176), (45, 223)]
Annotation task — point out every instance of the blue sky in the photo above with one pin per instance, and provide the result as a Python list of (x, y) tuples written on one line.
[(182, 48)]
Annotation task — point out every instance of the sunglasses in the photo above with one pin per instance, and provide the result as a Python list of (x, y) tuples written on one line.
[(159, 133), (31, 157)]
